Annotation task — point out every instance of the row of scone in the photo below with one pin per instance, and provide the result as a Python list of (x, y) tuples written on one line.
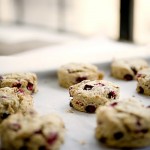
[(120, 123), (124, 69), (124, 126), (21, 127), (87, 88)]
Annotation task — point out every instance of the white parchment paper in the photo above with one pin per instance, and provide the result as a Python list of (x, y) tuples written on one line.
[(80, 127)]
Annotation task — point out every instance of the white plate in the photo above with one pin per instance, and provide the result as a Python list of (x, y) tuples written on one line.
[(80, 127)]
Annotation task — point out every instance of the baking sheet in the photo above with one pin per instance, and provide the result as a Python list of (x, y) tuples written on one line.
[(80, 127)]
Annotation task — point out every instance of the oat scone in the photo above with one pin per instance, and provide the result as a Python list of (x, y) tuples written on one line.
[(19, 132), (124, 123), (88, 95), (25, 81), (73, 73), (143, 79), (126, 69), (12, 100)]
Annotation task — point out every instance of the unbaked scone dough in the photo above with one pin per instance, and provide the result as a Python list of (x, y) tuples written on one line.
[(73, 73), (143, 79), (124, 123), (32, 132), (13, 101), (23, 81), (126, 69), (88, 95)]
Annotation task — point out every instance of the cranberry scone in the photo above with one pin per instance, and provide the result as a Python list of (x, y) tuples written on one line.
[(32, 132), (73, 73), (143, 79), (87, 95), (126, 69), (12, 100), (124, 123), (25, 81)]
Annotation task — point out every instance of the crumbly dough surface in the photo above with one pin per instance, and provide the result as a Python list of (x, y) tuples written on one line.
[(25, 81), (126, 69), (124, 123), (88, 95), (143, 79), (13, 101), (73, 73), (32, 132)]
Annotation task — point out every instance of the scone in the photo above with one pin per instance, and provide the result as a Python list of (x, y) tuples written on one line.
[(124, 123), (73, 73), (19, 132), (143, 79), (87, 95), (12, 101), (25, 81), (126, 69)]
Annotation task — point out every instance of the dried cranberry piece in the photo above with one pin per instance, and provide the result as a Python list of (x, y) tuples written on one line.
[(52, 138), (90, 109), (101, 84), (4, 115), (113, 104), (138, 75), (38, 132), (103, 139), (15, 126), (141, 90), (88, 87), (3, 96), (30, 86), (141, 131), (118, 135), (134, 70), (112, 94), (20, 91), (70, 88), (79, 103), (79, 79), (18, 85), (128, 77), (70, 104), (144, 130), (138, 123)]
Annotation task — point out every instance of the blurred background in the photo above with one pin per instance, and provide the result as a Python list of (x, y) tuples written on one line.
[(31, 24)]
